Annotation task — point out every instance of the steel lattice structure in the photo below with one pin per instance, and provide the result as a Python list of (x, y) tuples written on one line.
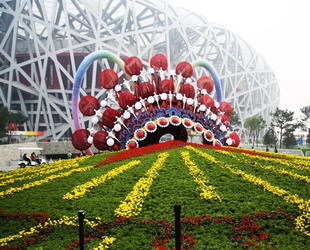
[(44, 41)]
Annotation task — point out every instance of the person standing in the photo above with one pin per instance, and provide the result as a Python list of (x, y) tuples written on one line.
[(69, 155)]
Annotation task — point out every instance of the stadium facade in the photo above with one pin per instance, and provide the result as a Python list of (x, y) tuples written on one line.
[(43, 42)]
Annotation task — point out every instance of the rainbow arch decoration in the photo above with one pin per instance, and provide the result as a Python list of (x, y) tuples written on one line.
[(149, 103)]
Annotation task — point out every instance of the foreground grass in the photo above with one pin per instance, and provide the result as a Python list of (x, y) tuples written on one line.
[(247, 200)]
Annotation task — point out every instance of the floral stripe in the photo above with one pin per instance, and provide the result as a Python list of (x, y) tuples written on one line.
[(106, 243), (280, 171), (281, 162), (302, 222), (132, 205), (44, 171), (41, 169), (81, 190), (207, 191), (43, 181)]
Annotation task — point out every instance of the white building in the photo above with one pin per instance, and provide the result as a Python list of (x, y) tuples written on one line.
[(43, 42)]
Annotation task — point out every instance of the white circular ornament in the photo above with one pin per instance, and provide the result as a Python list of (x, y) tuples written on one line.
[(118, 88), (117, 127), (204, 91), (150, 99), (163, 96), (213, 117), (103, 103), (110, 142), (190, 101), (202, 107), (134, 78), (90, 140), (229, 141), (151, 71), (223, 128), (216, 104), (188, 80), (179, 96), (95, 120), (126, 115), (138, 105)]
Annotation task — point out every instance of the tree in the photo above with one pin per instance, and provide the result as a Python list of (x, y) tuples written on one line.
[(234, 120), (282, 119), (7, 117), (305, 119), (4, 120), (270, 138), (289, 138), (254, 124)]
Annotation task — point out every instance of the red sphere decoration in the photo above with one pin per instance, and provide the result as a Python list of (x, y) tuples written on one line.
[(175, 120), (224, 119), (132, 145), (162, 122), (140, 134), (165, 86), (88, 104), (226, 108), (145, 89), (198, 127), (108, 79), (109, 117), (126, 99), (235, 139), (79, 139), (187, 90), (150, 126), (187, 123), (159, 61), (100, 140), (209, 135), (133, 66), (205, 82), (185, 69), (207, 101)]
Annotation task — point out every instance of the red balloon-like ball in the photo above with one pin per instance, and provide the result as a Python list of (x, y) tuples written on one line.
[(235, 139), (165, 86), (88, 104), (205, 82), (187, 90), (108, 79), (224, 119), (159, 61), (185, 69), (145, 89), (100, 140), (226, 108), (126, 98), (109, 117), (133, 66), (207, 101), (79, 139)]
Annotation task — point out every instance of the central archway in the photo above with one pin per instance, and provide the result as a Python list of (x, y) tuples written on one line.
[(179, 133)]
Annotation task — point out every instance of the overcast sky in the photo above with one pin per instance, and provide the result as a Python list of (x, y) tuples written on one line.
[(277, 29)]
